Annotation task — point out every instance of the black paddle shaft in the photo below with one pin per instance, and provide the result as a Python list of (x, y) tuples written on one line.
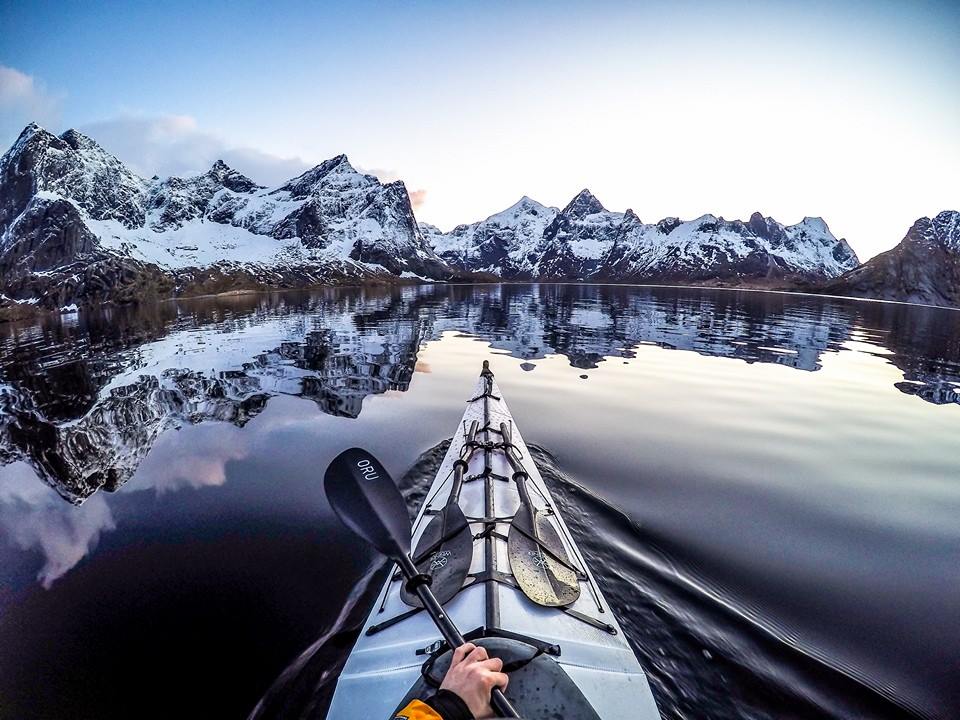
[(519, 474), (365, 498), (447, 629)]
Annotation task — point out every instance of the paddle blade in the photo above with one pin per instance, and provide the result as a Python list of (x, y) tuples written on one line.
[(537, 567), (444, 552), (365, 498)]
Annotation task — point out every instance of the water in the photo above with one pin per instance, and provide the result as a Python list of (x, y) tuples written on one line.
[(767, 485)]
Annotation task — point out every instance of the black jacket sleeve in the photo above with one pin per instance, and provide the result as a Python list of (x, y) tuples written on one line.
[(449, 706)]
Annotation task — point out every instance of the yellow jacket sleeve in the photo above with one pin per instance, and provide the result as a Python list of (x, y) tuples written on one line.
[(417, 710)]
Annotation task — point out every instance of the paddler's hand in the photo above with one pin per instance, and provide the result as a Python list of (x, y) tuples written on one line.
[(472, 675)]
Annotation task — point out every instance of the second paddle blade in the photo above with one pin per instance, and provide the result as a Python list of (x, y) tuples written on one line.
[(537, 567), (444, 551)]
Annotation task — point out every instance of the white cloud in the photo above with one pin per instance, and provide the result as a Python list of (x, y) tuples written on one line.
[(23, 100), (194, 457), (176, 145)]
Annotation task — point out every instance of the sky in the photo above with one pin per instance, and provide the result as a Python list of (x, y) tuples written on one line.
[(845, 110)]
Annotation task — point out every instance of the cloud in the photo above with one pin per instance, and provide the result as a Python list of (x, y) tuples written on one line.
[(418, 198), (194, 457), (34, 517), (24, 100), (175, 145)]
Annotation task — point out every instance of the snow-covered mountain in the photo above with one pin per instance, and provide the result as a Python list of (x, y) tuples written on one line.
[(79, 227), (585, 241), (923, 268)]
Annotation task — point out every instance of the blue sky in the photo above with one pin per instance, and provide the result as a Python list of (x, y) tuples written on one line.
[(846, 110)]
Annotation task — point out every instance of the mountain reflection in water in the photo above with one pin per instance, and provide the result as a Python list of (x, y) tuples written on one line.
[(83, 402), (819, 506)]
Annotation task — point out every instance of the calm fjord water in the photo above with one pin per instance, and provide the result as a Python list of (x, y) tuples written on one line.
[(768, 486)]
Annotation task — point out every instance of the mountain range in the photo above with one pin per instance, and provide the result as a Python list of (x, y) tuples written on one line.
[(79, 228)]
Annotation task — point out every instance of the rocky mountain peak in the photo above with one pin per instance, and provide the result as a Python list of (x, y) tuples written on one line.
[(231, 179), (766, 228), (302, 185), (78, 141), (817, 225), (584, 204), (943, 230)]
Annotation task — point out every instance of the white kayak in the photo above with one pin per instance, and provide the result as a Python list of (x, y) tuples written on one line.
[(567, 656)]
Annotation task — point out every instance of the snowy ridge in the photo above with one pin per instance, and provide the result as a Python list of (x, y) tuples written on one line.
[(68, 206), (500, 244), (587, 241)]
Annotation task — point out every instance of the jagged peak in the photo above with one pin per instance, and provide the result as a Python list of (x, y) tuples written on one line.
[(816, 225), (706, 219), (524, 203), (583, 204), (31, 129), (340, 163), (26, 136), (301, 185), (77, 140), (230, 178)]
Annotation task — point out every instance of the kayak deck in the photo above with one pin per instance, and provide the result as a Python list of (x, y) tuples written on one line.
[(385, 662)]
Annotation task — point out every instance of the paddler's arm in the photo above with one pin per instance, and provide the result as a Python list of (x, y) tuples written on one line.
[(464, 693)]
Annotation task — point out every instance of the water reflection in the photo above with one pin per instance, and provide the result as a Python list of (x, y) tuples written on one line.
[(83, 402), (34, 518)]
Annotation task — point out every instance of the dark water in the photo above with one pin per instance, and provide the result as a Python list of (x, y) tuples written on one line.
[(767, 485)]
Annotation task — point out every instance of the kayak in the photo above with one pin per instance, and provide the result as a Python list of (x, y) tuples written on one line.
[(507, 571)]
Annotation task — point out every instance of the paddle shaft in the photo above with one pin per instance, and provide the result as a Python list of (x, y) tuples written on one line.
[(460, 467), (519, 477), (449, 631)]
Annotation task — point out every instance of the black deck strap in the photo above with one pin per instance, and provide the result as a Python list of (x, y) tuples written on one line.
[(600, 625), (416, 581), (542, 646), (490, 532), (485, 474), (374, 629), (581, 575), (488, 445), (489, 428), (491, 576), (483, 519), (482, 395)]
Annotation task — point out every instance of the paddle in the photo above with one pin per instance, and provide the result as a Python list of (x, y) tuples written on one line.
[(445, 548), (367, 501), (538, 559)]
